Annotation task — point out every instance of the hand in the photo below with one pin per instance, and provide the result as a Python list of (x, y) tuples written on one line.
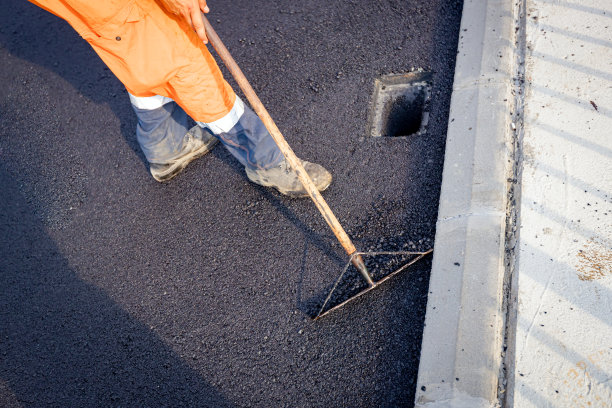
[(191, 11)]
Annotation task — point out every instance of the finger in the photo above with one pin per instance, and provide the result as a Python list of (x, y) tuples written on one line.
[(198, 25), (187, 17), (203, 6)]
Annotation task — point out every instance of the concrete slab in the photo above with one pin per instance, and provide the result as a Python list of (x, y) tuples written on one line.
[(563, 354), (523, 251)]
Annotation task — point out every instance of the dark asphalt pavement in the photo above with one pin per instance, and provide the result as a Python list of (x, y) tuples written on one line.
[(118, 291)]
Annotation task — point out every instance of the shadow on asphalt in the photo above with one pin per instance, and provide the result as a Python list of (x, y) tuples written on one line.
[(64, 341), (62, 51)]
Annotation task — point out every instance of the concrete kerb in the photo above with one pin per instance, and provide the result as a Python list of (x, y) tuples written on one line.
[(461, 353)]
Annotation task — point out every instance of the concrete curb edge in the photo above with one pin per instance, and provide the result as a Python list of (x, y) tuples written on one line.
[(461, 353)]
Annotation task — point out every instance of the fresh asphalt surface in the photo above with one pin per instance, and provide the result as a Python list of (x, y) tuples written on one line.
[(116, 290)]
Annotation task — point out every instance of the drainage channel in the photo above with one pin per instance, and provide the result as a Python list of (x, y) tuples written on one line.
[(400, 105)]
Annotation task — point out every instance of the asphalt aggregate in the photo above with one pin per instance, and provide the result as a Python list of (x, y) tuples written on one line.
[(118, 291)]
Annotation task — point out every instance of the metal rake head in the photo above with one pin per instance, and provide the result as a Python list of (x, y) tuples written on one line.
[(371, 283)]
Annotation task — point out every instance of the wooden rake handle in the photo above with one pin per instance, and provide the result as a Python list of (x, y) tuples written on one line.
[(284, 147)]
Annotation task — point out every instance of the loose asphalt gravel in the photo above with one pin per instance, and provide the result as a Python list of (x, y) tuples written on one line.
[(119, 291)]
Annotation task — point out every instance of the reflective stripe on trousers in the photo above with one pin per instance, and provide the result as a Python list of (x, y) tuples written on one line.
[(163, 125)]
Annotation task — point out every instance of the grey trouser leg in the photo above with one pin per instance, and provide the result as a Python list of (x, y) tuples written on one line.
[(161, 131), (249, 141), (162, 126)]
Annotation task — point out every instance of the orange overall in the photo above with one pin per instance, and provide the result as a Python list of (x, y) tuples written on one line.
[(152, 52)]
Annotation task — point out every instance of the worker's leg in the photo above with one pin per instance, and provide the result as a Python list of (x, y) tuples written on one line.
[(245, 136), (165, 138), (161, 122), (157, 56), (163, 134), (154, 55)]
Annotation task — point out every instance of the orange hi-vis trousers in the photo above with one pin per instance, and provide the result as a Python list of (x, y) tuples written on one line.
[(152, 52)]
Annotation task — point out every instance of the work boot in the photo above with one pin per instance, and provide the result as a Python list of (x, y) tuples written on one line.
[(196, 144), (285, 180)]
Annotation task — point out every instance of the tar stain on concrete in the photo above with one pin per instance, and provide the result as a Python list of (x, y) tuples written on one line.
[(594, 261), (118, 291)]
